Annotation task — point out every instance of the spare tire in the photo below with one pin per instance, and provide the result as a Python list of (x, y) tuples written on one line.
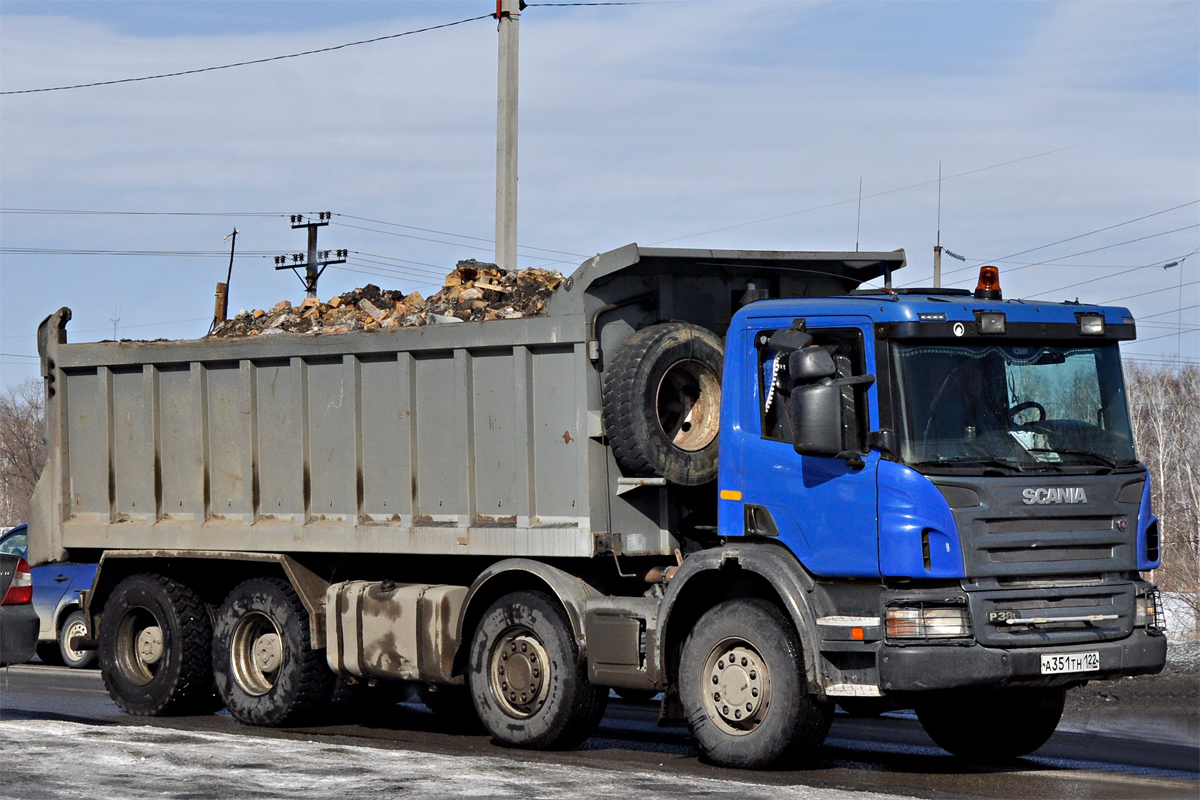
[(662, 403)]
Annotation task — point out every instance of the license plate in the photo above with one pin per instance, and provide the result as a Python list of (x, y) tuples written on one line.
[(1070, 662)]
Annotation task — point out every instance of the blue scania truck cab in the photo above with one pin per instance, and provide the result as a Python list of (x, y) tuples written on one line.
[(957, 476)]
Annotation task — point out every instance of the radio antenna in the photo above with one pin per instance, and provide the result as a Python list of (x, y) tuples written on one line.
[(937, 248), (858, 224)]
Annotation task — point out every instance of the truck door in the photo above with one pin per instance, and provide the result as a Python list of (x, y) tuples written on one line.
[(824, 509)]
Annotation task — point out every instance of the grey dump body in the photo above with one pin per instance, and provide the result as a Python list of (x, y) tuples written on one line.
[(478, 439)]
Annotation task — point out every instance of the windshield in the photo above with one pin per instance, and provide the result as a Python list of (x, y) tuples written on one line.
[(1017, 406)]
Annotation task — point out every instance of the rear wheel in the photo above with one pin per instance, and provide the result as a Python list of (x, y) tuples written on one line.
[(265, 669), (526, 681), (155, 647), (995, 725), (73, 626), (741, 681)]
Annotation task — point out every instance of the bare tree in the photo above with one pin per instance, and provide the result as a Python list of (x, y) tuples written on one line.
[(22, 448), (1165, 407)]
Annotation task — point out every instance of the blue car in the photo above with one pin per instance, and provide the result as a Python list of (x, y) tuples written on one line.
[(56, 589)]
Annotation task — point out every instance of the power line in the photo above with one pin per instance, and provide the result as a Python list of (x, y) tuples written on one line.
[(1163, 336), (435, 241), (1143, 294), (1172, 311), (1172, 325), (68, 211), (459, 235), (247, 63), (124, 327), (67, 251), (1112, 275), (1093, 250), (1070, 239), (885, 192)]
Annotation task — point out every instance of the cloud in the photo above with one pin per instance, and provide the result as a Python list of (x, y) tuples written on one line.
[(641, 124)]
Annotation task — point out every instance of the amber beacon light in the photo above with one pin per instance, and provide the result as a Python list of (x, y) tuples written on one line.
[(988, 287)]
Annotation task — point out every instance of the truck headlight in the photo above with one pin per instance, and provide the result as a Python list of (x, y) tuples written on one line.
[(928, 622), (1150, 613)]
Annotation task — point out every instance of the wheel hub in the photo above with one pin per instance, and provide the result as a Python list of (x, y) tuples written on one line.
[(256, 653), (688, 402), (737, 687), (518, 672), (150, 645), (268, 652), (76, 629)]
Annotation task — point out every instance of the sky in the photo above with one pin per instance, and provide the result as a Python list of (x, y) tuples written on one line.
[(1067, 135)]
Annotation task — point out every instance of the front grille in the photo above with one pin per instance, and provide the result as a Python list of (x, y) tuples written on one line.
[(1050, 616), (1048, 525), (1048, 544), (1005, 537)]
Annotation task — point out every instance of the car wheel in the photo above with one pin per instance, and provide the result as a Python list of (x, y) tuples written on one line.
[(73, 626)]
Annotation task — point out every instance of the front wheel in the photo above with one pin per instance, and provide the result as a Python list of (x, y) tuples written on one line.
[(995, 725), (525, 678), (741, 681)]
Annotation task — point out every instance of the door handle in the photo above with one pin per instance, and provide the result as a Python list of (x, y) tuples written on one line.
[(61, 578)]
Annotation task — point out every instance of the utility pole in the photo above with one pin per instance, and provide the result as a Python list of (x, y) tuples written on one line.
[(221, 306), (315, 261), (508, 13)]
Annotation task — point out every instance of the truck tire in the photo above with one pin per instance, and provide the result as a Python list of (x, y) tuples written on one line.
[(996, 725), (741, 682), (74, 625), (265, 669), (525, 678), (156, 647), (662, 403)]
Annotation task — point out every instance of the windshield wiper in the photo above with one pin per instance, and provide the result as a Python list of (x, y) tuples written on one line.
[(982, 460), (1086, 453)]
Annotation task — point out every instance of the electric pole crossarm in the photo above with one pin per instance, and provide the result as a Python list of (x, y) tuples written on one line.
[(314, 261)]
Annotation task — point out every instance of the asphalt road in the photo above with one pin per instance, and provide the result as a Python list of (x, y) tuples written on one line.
[(62, 736)]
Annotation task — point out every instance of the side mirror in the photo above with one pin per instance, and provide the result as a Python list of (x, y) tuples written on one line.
[(816, 417), (811, 364), (882, 440)]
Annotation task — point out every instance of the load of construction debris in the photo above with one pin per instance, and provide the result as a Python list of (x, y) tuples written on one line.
[(473, 292)]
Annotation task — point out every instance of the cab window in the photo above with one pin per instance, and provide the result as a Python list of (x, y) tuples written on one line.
[(845, 345)]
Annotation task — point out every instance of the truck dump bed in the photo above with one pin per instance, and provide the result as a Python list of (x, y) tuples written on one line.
[(469, 438)]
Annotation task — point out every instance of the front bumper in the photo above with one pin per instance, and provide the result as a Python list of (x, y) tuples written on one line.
[(19, 626), (920, 668)]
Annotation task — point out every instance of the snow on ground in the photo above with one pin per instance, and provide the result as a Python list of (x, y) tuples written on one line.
[(52, 759)]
